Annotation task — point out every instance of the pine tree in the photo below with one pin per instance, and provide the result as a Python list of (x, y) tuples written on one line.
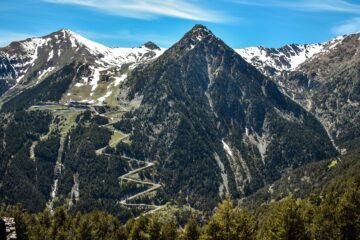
[(139, 230), (154, 227), (228, 223), (339, 211), (191, 231), (168, 229), (282, 220)]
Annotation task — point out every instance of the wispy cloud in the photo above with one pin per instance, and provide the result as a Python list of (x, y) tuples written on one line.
[(7, 37), (307, 5), (348, 27), (149, 9)]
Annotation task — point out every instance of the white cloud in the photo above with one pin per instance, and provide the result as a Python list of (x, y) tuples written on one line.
[(149, 9), (6, 37), (348, 27), (307, 5)]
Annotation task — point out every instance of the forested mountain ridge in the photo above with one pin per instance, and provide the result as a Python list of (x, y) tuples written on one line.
[(131, 131), (203, 98), (307, 180)]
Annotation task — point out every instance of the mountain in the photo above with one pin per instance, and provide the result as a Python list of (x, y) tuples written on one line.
[(324, 81), (272, 61), (207, 115), (132, 130), (26, 63), (49, 84)]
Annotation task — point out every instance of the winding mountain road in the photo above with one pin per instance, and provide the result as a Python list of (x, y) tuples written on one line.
[(122, 178), (127, 176)]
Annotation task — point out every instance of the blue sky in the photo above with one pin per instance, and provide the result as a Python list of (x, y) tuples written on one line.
[(129, 23)]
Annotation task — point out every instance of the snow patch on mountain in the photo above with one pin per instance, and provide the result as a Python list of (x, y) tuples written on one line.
[(103, 98), (286, 58), (95, 78), (120, 79), (113, 56), (227, 148), (45, 72), (272, 61), (51, 55), (334, 42), (260, 142), (28, 57)]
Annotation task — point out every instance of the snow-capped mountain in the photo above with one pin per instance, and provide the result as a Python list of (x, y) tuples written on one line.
[(112, 56), (210, 122), (328, 85), (320, 77), (272, 61), (26, 63)]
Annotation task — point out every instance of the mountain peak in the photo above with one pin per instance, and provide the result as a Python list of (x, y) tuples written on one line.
[(198, 35), (65, 30), (199, 27), (199, 32), (150, 45), (77, 40)]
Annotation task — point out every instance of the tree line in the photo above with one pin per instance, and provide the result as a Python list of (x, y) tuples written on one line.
[(333, 214)]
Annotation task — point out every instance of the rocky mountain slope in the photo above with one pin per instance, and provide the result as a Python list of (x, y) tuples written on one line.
[(207, 114), (323, 78), (273, 61), (26, 63), (130, 130)]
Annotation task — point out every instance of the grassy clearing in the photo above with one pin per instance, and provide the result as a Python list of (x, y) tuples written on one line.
[(112, 99), (65, 118), (333, 164), (116, 137), (69, 121)]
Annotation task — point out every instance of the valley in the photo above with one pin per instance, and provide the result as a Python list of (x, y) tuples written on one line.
[(180, 120), (141, 131)]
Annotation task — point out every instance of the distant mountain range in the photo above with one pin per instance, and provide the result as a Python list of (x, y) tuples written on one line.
[(130, 130)]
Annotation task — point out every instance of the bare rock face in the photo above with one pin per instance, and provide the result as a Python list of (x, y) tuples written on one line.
[(150, 45)]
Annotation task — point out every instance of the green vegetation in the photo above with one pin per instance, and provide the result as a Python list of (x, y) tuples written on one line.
[(335, 214), (22, 179), (308, 179), (51, 89)]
